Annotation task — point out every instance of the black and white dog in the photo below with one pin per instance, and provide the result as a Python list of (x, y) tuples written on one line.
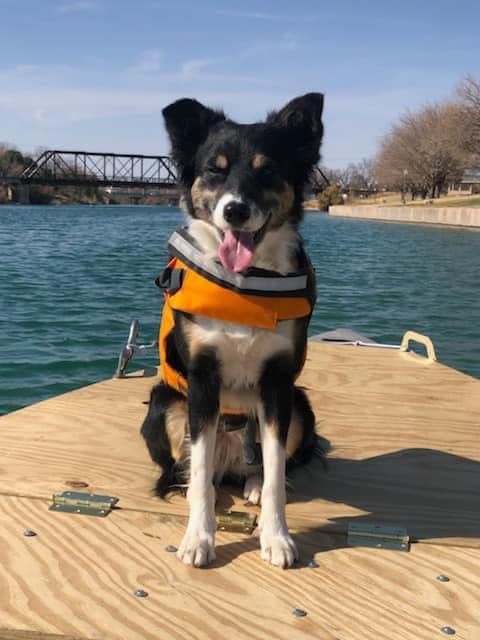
[(242, 189)]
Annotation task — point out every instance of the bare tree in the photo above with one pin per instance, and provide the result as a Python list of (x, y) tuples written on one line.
[(362, 175), (337, 177), (422, 152), (469, 114)]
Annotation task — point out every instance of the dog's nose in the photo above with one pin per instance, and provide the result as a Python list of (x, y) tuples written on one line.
[(236, 212)]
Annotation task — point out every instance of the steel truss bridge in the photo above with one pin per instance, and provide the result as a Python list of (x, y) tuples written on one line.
[(81, 168), (111, 170)]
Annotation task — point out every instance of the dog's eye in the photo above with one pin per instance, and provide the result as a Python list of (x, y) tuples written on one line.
[(219, 165), (266, 174), (217, 170), (266, 168)]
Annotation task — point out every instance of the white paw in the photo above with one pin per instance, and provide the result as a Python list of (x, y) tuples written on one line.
[(252, 490), (197, 548), (279, 549)]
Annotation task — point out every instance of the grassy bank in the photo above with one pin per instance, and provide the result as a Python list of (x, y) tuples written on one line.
[(395, 200)]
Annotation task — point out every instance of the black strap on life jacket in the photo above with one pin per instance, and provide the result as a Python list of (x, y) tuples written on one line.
[(170, 280)]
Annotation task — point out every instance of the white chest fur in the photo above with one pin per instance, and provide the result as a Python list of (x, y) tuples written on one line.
[(243, 350)]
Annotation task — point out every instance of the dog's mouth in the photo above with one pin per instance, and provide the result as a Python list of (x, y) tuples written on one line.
[(238, 247)]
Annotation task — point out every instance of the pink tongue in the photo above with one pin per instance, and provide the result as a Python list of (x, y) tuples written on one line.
[(236, 250)]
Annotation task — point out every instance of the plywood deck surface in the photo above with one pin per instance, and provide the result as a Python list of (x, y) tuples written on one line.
[(406, 451)]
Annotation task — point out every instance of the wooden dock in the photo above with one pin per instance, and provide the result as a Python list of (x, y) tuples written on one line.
[(406, 452)]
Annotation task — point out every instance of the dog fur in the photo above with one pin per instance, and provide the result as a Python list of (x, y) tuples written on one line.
[(239, 181)]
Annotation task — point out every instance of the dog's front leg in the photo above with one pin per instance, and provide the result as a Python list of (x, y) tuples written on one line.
[(198, 544), (274, 414)]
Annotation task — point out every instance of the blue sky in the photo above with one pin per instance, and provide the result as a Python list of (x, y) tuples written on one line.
[(95, 74)]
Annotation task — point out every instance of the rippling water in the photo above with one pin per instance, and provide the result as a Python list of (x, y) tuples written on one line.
[(72, 278)]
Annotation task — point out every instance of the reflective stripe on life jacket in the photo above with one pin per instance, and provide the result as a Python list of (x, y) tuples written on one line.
[(199, 286)]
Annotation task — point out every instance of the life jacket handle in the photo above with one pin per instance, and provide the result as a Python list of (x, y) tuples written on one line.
[(170, 279)]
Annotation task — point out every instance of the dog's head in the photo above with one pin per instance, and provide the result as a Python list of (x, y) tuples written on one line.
[(244, 180)]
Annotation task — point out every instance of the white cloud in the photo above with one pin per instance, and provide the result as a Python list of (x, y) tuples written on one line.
[(263, 15), (194, 67), (257, 15), (88, 108), (77, 5), (264, 47), (149, 61), (26, 68)]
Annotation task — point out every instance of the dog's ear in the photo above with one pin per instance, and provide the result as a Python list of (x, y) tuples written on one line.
[(302, 116), (188, 122)]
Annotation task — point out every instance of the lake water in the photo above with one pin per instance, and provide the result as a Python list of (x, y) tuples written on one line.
[(72, 278)]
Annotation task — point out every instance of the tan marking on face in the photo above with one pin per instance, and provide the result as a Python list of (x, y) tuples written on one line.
[(282, 203), (203, 199), (221, 161), (258, 160)]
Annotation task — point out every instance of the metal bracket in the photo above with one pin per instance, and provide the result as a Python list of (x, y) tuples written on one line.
[(238, 521), (88, 504), (128, 351), (369, 534)]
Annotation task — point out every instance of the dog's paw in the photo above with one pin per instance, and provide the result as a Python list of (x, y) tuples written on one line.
[(252, 490), (197, 549), (279, 549)]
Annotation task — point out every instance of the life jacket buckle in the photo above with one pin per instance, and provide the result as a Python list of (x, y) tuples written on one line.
[(170, 280)]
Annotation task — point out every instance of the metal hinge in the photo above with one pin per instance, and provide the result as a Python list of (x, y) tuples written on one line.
[(369, 534), (238, 521), (88, 504)]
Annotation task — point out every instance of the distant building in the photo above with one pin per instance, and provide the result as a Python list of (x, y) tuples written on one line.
[(470, 183)]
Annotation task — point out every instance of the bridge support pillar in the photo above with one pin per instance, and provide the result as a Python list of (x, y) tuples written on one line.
[(19, 193), (23, 194)]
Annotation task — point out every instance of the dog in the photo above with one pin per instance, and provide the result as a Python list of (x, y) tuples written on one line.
[(239, 294)]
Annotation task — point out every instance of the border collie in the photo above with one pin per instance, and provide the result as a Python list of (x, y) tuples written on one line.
[(242, 191)]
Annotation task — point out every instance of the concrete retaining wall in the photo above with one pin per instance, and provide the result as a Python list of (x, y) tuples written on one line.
[(454, 216)]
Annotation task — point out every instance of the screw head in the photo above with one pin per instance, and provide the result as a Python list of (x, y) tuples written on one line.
[(443, 578), (171, 548), (313, 565), (29, 533), (140, 593), (299, 613), (448, 631)]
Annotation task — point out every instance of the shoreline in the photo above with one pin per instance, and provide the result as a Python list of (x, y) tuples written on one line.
[(465, 217)]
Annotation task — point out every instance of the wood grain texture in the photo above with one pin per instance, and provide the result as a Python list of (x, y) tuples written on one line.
[(405, 450), (404, 434), (13, 634), (77, 577)]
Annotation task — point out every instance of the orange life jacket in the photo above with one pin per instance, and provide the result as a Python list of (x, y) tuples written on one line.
[(199, 286)]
